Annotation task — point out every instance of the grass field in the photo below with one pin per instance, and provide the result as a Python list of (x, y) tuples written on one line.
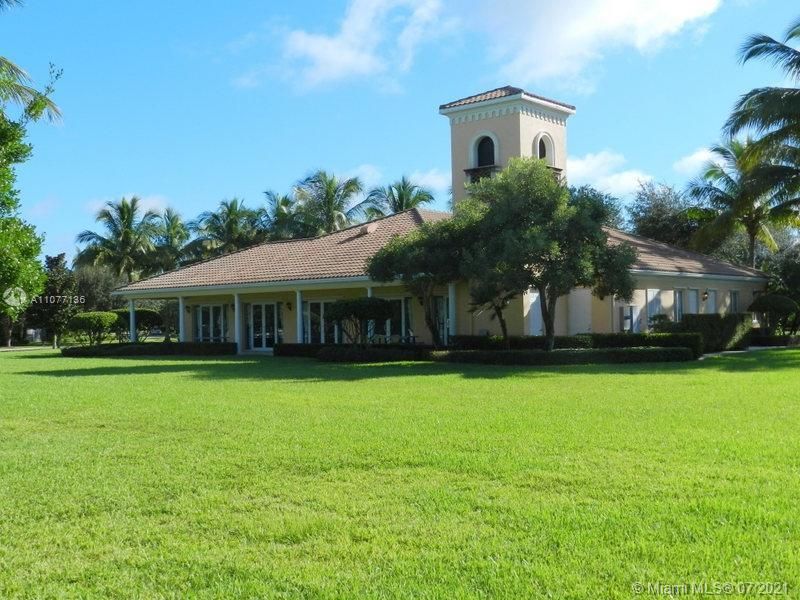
[(288, 478)]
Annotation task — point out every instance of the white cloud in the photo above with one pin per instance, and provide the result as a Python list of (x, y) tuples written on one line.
[(369, 175), (691, 164), (375, 38), (44, 208), (435, 180), (605, 171), (558, 42)]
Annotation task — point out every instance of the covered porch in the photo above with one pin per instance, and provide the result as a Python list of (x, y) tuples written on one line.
[(257, 317)]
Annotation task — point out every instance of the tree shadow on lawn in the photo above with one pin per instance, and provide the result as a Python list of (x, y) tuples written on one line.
[(310, 370)]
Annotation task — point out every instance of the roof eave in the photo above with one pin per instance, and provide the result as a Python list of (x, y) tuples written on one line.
[(444, 110)]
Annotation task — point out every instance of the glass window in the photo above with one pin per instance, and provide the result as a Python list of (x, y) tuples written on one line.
[(692, 302), (542, 149), (734, 307), (485, 152), (678, 305)]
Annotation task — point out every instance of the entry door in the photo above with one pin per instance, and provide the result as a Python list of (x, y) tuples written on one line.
[(263, 318)]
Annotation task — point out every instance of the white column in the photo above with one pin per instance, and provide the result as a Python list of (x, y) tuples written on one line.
[(369, 292), (131, 321), (181, 319), (298, 307), (370, 323), (451, 309), (237, 322)]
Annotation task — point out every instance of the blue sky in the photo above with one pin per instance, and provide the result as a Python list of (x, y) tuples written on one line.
[(185, 106)]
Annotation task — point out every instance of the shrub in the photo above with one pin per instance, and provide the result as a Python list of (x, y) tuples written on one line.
[(774, 340), (371, 354), (146, 319), (93, 326), (171, 349), (776, 307), (693, 341), (354, 314), (525, 342), (564, 357), (720, 332), (297, 350)]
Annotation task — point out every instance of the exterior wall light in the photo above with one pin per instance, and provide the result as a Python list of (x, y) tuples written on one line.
[(705, 295)]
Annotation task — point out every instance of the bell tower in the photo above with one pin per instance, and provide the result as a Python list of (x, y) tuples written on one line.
[(488, 129)]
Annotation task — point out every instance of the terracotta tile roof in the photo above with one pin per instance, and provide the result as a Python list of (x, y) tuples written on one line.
[(502, 92), (336, 255), (658, 256), (344, 254)]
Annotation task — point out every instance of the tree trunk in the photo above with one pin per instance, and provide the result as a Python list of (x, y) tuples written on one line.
[(751, 250), (55, 341), (548, 319), (430, 318), (498, 311), (7, 325)]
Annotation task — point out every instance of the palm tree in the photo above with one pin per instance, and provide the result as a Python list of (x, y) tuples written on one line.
[(737, 196), (172, 234), (774, 111), (324, 202), (231, 227), (397, 197), (128, 239), (280, 216)]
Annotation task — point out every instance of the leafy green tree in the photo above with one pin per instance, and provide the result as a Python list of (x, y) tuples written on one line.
[(280, 216), (59, 301), (548, 242), (394, 198), (127, 244), (325, 202), (171, 238), (738, 199), (231, 227), (772, 111), (423, 261), (95, 284), (21, 274), (612, 204), (662, 213)]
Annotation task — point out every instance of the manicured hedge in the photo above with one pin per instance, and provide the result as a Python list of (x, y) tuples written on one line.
[(297, 350), (720, 332), (161, 349), (774, 340), (564, 357), (594, 340), (522, 342), (372, 354), (693, 341)]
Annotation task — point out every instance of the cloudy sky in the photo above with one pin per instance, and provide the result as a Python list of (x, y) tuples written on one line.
[(185, 106)]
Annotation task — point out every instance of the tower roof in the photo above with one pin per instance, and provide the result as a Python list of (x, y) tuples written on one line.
[(506, 91)]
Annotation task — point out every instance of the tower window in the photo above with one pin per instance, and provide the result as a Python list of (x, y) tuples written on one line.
[(542, 149), (485, 152)]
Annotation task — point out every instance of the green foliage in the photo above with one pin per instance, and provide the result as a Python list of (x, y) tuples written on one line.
[(777, 308), (297, 350), (59, 300), (720, 332), (20, 268), (95, 284), (146, 319), (611, 204), (353, 316), (372, 354), (127, 246), (423, 260), (693, 341), (564, 357), (231, 227), (394, 198), (13, 151), (324, 202), (93, 326), (527, 342), (164, 349), (662, 213), (542, 238)]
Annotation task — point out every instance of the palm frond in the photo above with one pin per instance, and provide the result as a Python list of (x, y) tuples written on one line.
[(780, 54)]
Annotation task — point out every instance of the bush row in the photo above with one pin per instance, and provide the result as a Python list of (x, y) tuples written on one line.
[(565, 357), (774, 340), (162, 349), (720, 332), (693, 341), (313, 350), (355, 354)]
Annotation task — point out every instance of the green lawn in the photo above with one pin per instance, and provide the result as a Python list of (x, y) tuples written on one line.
[(288, 478)]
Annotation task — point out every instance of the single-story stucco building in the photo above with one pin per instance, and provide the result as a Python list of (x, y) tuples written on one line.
[(278, 291)]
